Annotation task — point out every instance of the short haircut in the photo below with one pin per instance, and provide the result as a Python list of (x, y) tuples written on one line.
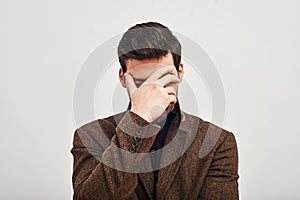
[(146, 41)]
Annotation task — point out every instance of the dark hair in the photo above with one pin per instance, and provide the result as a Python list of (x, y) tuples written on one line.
[(146, 41)]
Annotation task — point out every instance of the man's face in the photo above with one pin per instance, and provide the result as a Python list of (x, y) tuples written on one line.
[(142, 69)]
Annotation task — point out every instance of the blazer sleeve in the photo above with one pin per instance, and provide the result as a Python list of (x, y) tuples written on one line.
[(221, 181), (92, 178)]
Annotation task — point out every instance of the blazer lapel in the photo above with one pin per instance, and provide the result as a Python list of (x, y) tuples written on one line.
[(177, 141), (147, 180)]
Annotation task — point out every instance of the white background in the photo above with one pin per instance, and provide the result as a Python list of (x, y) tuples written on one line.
[(254, 45)]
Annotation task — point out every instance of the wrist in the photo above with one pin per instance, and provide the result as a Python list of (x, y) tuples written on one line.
[(145, 117)]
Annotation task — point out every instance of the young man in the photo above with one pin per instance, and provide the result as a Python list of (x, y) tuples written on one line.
[(151, 71)]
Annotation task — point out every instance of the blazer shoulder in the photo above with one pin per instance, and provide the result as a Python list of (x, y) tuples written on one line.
[(204, 123), (209, 131)]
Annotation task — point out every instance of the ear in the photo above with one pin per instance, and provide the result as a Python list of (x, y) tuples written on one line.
[(180, 71), (122, 78)]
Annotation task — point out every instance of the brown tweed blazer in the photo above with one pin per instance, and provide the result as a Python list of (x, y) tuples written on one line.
[(213, 175)]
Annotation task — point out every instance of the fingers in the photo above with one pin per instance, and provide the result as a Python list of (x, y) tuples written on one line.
[(170, 69), (130, 85), (171, 94), (164, 77), (170, 90), (172, 99), (168, 79)]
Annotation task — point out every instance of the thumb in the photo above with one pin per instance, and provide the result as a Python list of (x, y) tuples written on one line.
[(130, 85)]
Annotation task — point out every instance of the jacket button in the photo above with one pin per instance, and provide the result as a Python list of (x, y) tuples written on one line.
[(139, 132), (131, 149)]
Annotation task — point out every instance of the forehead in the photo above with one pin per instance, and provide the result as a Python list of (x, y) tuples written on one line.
[(142, 69)]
